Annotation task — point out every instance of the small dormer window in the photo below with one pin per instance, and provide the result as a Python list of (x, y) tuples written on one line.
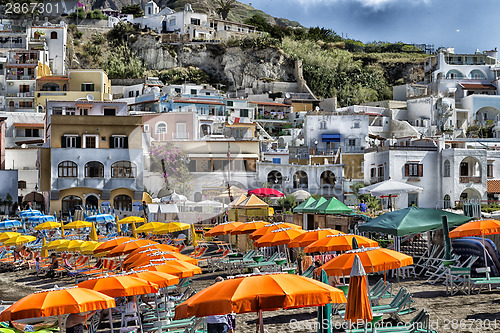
[(53, 35)]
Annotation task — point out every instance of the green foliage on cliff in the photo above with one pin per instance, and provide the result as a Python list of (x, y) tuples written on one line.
[(179, 75)]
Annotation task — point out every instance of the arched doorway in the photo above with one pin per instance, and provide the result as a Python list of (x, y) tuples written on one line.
[(470, 170), (274, 178), (470, 194), (205, 129), (69, 202), (446, 202), (122, 202), (300, 180), (327, 179), (91, 201)]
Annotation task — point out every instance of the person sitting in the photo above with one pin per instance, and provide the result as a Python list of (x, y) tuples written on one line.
[(317, 270), (75, 321), (54, 264)]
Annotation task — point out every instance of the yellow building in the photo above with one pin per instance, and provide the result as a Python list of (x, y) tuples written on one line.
[(92, 84)]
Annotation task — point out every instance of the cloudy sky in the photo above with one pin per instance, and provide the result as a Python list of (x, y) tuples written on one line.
[(462, 24)]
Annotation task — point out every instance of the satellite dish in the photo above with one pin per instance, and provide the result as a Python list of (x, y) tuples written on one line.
[(317, 108), (287, 95), (24, 146), (90, 97)]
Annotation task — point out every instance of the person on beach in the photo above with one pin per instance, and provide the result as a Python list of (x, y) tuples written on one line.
[(218, 323), (76, 321), (317, 270), (54, 264)]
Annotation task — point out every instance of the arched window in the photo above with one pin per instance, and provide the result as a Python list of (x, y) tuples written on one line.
[(67, 169), (327, 179), (446, 168), (454, 74), (68, 203), (274, 178), (21, 184), (53, 35), (476, 74), (94, 169), (122, 202), (300, 180), (161, 127), (123, 169), (447, 202)]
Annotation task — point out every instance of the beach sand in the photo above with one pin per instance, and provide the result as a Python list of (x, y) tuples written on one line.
[(460, 313)]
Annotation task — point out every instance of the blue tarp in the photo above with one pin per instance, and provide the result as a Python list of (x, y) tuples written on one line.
[(330, 137)]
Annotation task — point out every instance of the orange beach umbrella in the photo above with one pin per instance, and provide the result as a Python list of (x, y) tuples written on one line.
[(111, 244), (476, 228), (178, 268), (311, 236), (257, 293), (279, 237), (270, 227), (248, 227), (57, 301), (161, 279), (146, 258), (222, 229), (358, 304), (159, 247), (341, 242), (373, 260), (120, 285), (129, 246)]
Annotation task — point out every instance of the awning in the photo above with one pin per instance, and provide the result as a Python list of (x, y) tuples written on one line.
[(330, 137), (28, 125), (477, 86)]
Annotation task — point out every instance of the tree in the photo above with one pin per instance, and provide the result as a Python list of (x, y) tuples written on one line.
[(80, 13), (287, 203), (135, 10), (223, 7)]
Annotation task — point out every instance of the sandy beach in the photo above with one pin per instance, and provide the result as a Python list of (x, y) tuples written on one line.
[(460, 313)]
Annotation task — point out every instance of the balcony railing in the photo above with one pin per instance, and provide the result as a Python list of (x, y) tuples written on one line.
[(25, 94), (180, 136), (475, 180), (20, 77)]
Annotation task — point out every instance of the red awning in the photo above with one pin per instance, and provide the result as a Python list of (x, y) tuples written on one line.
[(477, 86)]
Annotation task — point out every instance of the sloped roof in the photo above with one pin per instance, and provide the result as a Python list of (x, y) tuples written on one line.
[(252, 202)]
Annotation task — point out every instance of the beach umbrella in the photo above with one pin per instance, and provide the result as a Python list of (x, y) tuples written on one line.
[(120, 285), (150, 227), (134, 230), (373, 259), (279, 237), (158, 247), (55, 243), (100, 218), (44, 253), (72, 245), (132, 219), (111, 244), (171, 227), (9, 224), (8, 235), (127, 247), (89, 247), (193, 237), (222, 229), (41, 218), (358, 304), (311, 236), (48, 225), (301, 195), (248, 227), (19, 240), (145, 258), (163, 280), (266, 193), (57, 301), (270, 227), (178, 268), (477, 228), (30, 212), (93, 233), (257, 293), (340, 242), (78, 225)]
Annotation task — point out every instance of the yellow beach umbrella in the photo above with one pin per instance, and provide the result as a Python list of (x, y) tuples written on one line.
[(193, 234), (89, 247), (78, 225), (72, 245), (118, 229), (101, 254), (48, 225), (93, 233), (172, 227), (150, 227), (44, 253), (55, 243), (19, 240), (131, 219), (8, 235)]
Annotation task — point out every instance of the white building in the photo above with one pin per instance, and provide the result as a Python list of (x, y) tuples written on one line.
[(54, 37)]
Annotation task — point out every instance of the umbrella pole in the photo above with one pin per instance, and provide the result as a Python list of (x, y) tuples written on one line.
[(261, 322), (484, 248), (110, 320), (60, 322)]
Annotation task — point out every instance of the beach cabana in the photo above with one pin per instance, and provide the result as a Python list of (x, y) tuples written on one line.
[(304, 204), (333, 206)]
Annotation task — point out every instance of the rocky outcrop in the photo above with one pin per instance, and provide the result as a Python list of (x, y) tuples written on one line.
[(234, 65)]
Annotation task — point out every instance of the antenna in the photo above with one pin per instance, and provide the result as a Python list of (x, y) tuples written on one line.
[(90, 97)]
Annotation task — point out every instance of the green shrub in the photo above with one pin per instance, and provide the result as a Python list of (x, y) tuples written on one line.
[(123, 64), (96, 15)]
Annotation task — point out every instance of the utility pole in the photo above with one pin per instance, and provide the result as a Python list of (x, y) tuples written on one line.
[(229, 171)]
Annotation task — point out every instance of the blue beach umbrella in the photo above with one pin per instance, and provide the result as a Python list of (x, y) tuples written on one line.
[(30, 212), (9, 224)]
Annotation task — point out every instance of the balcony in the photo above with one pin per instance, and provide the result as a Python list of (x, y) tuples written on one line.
[(322, 151), (20, 77), (466, 179), (180, 136), (354, 149), (21, 95)]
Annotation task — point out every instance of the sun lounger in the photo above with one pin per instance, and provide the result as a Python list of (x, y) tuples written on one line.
[(309, 272)]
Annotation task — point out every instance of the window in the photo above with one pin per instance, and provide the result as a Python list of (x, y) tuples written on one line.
[(122, 202), (351, 142), (53, 35), (322, 125), (194, 92), (171, 22), (161, 127), (446, 168), (57, 111), (71, 141), (67, 169), (230, 103), (412, 199), (21, 185), (447, 202), (414, 170), (94, 169), (23, 88), (123, 169), (178, 90), (109, 112), (118, 141), (356, 124), (373, 173), (90, 141), (489, 170), (72, 111), (381, 172), (146, 128), (70, 202), (87, 87), (32, 132), (244, 113), (131, 94), (277, 160)]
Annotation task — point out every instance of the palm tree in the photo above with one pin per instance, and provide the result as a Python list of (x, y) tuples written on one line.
[(223, 7)]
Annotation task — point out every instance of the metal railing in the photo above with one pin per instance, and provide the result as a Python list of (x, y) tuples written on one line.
[(466, 179)]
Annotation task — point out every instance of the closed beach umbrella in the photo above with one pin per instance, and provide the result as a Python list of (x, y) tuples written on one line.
[(19, 240), (248, 227), (270, 227), (44, 253), (48, 225), (93, 233), (373, 260), (57, 301), (129, 246), (178, 268), (111, 244), (222, 229), (340, 242), (120, 285), (312, 236), (258, 293), (358, 304)]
